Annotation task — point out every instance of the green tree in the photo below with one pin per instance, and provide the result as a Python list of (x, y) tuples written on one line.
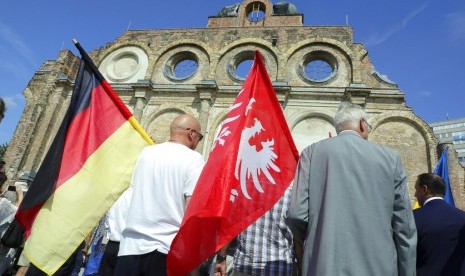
[(3, 150), (2, 109)]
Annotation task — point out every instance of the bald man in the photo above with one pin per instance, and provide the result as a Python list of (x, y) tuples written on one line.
[(164, 178)]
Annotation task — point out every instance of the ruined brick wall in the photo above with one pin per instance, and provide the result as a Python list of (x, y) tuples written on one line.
[(141, 66), (47, 97)]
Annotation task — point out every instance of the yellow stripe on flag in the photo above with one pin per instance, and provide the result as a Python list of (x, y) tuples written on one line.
[(135, 124), (416, 205), (71, 213)]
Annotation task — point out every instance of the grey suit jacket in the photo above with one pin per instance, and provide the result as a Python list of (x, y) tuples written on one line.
[(351, 209)]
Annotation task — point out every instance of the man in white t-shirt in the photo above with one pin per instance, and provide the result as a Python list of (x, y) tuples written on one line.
[(164, 179)]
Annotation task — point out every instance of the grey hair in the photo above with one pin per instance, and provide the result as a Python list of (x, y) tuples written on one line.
[(348, 116)]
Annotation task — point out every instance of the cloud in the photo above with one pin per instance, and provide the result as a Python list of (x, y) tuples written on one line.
[(456, 24), (377, 38), (16, 43)]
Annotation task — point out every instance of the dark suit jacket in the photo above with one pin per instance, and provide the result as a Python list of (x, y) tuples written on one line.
[(441, 239)]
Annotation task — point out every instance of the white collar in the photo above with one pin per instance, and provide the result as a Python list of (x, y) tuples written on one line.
[(349, 131), (431, 198)]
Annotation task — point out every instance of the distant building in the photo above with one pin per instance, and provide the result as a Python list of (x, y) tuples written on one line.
[(452, 131)]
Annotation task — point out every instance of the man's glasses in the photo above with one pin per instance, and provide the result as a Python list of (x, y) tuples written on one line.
[(198, 133), (369, 126)]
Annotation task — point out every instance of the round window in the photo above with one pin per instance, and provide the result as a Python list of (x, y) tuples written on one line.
[(239, 66), (318, 70), (243, 69), (123, 66), (185, 68), (318, 67), (181, 66)]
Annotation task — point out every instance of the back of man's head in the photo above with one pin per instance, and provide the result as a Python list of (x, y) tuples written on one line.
[(185, 129), (348, 116), (434, 182)]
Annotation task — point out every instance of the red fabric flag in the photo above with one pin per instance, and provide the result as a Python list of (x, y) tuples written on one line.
[(252, 162)]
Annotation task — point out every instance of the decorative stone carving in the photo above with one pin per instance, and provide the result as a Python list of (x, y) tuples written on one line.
[(125, 65)]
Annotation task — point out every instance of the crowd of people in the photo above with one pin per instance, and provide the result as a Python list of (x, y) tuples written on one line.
[(12, 260), (347, 212)]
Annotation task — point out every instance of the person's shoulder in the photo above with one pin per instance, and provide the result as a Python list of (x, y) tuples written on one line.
[(149, 148), (312, 146), (442, 208), (460, 213), (329, 143), (423, 215), (380, 146), (419, 211), (185, 151), (384, 149), (193, 153), (452, 213)]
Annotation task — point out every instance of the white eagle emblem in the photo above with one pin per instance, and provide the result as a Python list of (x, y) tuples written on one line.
[(251, 163)]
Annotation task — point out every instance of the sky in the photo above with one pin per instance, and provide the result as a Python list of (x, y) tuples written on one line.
[(418, 44)]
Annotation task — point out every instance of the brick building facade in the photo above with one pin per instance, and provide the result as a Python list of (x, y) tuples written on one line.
[(160, 74)]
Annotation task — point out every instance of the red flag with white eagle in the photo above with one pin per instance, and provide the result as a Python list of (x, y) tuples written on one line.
[(251, 163)]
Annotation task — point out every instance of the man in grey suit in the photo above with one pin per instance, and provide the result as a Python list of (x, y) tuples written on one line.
[(350, 209)]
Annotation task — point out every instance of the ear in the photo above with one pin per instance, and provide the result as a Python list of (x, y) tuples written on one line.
[(425, 189), (361, 126), (190, 135)]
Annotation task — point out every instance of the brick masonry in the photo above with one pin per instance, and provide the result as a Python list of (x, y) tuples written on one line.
[(140, 65)]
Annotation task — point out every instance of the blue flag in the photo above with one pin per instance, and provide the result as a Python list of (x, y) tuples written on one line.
[(442, 170)]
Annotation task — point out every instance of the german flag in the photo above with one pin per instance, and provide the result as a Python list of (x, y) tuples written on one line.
[(87, 167)]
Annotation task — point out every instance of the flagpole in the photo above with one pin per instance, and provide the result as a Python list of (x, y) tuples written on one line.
[(113, 95), (87, 58)]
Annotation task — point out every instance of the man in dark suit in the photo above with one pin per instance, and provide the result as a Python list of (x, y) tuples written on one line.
[(441, 230)]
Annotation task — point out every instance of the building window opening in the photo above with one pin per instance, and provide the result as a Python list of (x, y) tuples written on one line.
[(318, 67), (255, 12), (318, 70), (181, 66), (239, 66), (243, 69), (185, 68)]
